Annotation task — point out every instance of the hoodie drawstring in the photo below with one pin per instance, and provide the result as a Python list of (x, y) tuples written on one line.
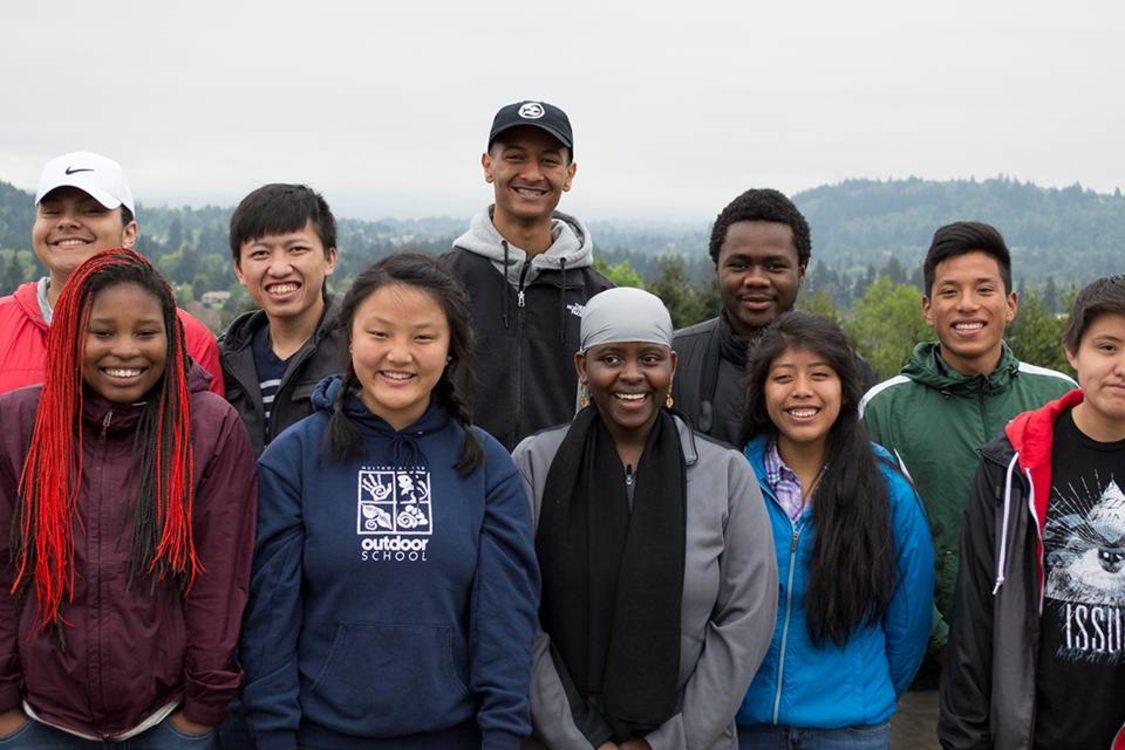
[(1002, 558), (562, 302), (504, 286), (405, 453)]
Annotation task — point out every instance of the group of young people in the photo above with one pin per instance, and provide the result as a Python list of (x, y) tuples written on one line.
[(486, 500)]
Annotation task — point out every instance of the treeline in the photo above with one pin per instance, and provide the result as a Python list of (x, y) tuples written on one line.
[(859, 228), (885, 322), (869, 238)]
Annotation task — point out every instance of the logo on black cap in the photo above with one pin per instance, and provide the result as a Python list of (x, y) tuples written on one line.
[(531, 110)]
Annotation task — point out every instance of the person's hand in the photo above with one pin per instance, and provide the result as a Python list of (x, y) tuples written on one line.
[(12, 721), (186, 725)]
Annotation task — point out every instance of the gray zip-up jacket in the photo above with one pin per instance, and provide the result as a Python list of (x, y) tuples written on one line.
[(729, 599)]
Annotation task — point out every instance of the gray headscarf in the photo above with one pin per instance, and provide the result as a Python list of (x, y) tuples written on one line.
[(625, 314)]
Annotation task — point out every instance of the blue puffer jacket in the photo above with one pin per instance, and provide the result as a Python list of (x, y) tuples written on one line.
[(828, 687)]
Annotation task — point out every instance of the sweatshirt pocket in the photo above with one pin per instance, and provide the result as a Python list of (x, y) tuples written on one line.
[(389, 679)]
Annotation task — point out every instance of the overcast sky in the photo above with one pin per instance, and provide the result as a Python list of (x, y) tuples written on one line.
[(676, 108)]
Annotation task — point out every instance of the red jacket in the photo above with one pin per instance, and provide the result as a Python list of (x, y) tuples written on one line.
[(127, 652), (23, 341)]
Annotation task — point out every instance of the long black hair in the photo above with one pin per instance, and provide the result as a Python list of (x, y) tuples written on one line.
[(453, 390), (852, 573)]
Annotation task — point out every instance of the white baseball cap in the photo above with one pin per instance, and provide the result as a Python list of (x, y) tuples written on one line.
[(91, 173)]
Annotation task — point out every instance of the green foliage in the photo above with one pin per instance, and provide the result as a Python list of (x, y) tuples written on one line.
[(686, 303), (886, 324), (621, 274), (821, 304), (1036, 334)]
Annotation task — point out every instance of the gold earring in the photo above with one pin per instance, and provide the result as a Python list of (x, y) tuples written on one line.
[(669, 401), (583, 396)]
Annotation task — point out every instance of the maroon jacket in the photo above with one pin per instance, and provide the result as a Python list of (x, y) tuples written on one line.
[(129, 651)]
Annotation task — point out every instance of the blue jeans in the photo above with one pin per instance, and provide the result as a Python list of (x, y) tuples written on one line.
[(768, 737), (163, 736)]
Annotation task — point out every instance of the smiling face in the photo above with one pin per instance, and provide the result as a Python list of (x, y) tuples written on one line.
[(70, 226), (759, 274), (803, 396), (400, 346), (628, 383), (285, 273), (529, 171), (968, 309), (1100, 364), (126, 344)]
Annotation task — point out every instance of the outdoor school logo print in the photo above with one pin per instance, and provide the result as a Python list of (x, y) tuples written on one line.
[(394, 518), (1085, 550), (531, 110)]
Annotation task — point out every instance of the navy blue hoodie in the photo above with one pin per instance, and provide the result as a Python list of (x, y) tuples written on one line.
[(391, 597)]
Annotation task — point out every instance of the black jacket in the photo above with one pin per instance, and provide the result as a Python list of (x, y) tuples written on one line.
[(319, 357), (988, 684), (525, 343), (709, 388)]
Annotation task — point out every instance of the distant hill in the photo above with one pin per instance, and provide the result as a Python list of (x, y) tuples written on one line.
[(1069, 233), (858, 226)]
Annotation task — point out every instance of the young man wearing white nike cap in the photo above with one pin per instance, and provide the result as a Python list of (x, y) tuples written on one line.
[(83, 205)]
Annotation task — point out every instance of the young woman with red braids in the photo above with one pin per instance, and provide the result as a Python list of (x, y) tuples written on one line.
[(127, 511)]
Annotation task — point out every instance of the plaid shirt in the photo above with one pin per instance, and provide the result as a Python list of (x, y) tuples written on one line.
[(785, 484)]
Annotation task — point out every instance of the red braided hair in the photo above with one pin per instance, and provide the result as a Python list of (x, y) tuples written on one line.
[(43, 529)]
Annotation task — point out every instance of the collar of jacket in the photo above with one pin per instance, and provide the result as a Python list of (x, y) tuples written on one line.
[(571, 247), (241, 332), (27, 297), (96, 410), (926, 366)]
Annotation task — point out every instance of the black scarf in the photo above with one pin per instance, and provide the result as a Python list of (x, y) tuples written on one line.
[(733, 347), (613, 579)]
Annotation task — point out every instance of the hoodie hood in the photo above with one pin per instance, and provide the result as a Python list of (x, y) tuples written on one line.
[(1031, 435), (571, 247), (927, 367), (394, 447)]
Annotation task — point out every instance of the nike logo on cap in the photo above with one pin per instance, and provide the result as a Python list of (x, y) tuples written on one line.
[(72, 170)]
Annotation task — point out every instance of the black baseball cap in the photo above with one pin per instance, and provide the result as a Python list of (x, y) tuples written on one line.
[(546, 117)]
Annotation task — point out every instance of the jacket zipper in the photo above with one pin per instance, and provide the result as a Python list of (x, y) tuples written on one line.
[(788, 598), (295, 362), (517, 421), (96, 548), (523, 278), (983, 416), (788, 615)]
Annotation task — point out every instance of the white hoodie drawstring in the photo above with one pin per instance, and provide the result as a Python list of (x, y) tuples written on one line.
[(1002, 558)]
